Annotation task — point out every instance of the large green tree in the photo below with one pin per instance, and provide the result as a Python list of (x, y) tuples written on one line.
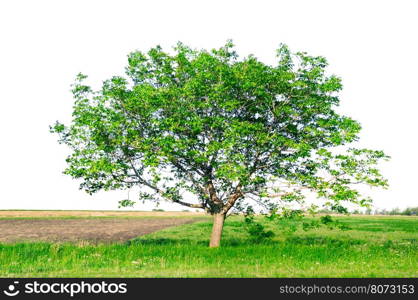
[(222, 128)]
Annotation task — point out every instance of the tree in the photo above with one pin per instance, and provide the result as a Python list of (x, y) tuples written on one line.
[(225, 129)]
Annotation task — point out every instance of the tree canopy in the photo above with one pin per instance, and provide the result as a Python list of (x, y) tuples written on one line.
[(223, 128)]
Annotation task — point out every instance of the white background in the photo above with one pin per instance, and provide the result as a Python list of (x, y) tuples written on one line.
[(372, 45)]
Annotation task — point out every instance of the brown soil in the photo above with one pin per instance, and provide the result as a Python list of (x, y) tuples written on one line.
[(84, 229), (89, 213)]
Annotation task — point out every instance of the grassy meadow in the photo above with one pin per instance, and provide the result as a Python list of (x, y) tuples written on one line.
[(374, 246)]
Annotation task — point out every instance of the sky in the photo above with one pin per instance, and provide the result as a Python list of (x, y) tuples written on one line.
[(371, 45)]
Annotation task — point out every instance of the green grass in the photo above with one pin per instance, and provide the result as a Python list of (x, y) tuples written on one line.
[(374, 247)]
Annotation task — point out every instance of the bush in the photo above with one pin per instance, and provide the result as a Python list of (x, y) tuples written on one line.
[(256, 230), (411, 211)]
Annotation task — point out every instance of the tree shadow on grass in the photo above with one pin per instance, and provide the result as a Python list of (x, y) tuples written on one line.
[(236, 242), (159, 242)]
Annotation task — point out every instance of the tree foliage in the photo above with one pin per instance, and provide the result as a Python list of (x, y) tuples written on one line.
[(222, 128)]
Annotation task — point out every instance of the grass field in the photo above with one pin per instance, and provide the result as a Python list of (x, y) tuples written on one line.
[(374, 247)]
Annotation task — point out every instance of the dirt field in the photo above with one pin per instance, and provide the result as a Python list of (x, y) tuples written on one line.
[(86, 213), (84, 229)]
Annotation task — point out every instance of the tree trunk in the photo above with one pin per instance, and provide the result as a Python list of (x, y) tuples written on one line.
[(218, 224)]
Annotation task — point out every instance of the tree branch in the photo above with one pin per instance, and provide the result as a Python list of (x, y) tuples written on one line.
[(161, 192), (233, 198)]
